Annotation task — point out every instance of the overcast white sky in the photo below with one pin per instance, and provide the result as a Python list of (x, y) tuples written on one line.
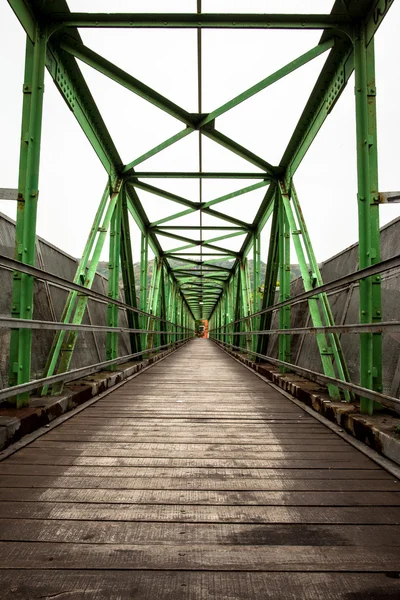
[(72, 178)]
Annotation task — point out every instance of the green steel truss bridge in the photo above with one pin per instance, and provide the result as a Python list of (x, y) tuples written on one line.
[(197, 480)]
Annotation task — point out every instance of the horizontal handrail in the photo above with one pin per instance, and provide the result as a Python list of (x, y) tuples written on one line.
[(77, 373), (389, 401), (11, 323), (337, 284), (14, 265), (382, 327)]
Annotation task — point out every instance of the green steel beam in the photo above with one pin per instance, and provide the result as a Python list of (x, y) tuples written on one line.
[(227, 218), (370, 305), (262, 85), (315, 304), (271, 278), (202, 227), (256, 285), (196, 175), (128, 274), (175, 236), (376, 15), (73, 88), (328, 88), (98, 62), (114, 266), (183, 213), (235, 194), (143, 292), (24, 14), (159, 148), (284, 280), (79, 278), (364, 16), (164, 194), (200, 21), (226, 142), (28, 191), (104, 66)]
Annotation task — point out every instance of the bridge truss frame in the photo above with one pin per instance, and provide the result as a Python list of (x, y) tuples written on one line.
[(178, 293)]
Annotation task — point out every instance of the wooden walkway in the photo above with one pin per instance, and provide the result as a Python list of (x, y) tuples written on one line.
[(196, 481)]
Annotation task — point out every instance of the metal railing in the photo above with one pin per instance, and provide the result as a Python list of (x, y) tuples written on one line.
[(232, 331), (157, 327)]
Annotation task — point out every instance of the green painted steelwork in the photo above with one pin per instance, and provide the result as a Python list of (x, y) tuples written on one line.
[(28, 191), (368, 214), (284, 279), (128, 274), (113, 278), (186, 281)]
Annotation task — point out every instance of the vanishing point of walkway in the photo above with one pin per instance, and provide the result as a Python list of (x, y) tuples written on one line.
[(196, 481)]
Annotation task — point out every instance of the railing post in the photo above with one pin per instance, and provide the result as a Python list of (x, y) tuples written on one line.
[(144, 264), (128, 275), (113, 280), (284, 283), (271, 276), (25, 232), (368, 214), (256, 286)]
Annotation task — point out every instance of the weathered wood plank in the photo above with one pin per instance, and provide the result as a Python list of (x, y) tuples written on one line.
[(323, 480), (167, 489), (209, 497), (10, 468), (218, 463), (186, 585), (117, 532), (367, 515), (31, 555)]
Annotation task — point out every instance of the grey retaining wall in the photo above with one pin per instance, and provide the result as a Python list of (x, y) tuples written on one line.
[(345, 311), (48, 306)]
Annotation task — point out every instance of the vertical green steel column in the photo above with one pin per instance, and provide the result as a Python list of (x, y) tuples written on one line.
[(113, 280), (149, 309), (172, 311), (176, 316), (181, 337), (128, 275), (238, 312), (163, 326), (226, 338), (144, 266), (25, 232), (271, 276), (167, 308), (154, 297), (368, 214), (246, 303), (256, 286), (284, 283)]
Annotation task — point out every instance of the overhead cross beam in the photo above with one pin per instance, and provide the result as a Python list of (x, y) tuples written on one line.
[(201, 21)]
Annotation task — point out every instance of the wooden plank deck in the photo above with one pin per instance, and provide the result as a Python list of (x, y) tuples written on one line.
[(196, 481)]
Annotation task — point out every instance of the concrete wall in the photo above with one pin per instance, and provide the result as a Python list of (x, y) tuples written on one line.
[(345, 310), (48, 306)]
